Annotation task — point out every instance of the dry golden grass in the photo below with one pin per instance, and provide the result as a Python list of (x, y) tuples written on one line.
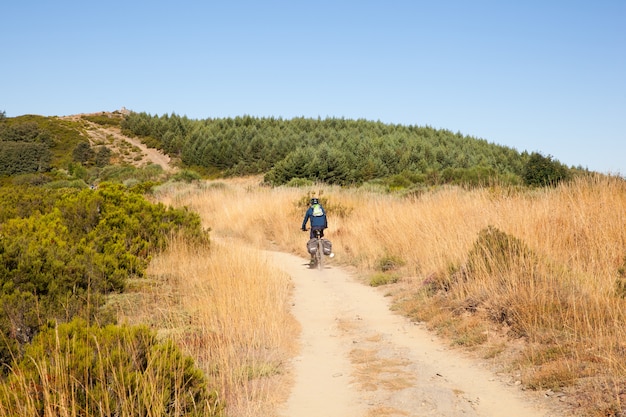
[(70, 378), (558, 286), (227, 307), (545, 266)]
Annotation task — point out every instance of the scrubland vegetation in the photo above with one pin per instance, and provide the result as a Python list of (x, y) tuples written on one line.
[(63, 254), (532, 279), (227, 307), (114, 301)]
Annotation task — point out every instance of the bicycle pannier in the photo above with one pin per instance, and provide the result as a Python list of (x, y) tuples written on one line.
[(328, 247), (311, 246)]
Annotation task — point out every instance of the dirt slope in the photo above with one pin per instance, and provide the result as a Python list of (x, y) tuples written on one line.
[(125, 149), (358, 359)]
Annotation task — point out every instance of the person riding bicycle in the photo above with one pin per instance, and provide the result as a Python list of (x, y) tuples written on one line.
[(317, 214)]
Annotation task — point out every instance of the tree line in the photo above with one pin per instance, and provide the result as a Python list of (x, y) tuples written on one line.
[(334, 150)]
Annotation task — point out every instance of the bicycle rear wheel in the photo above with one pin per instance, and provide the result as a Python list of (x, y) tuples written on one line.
[(320, 254)]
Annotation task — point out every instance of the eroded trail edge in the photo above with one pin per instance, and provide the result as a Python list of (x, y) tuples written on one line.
[(358, 358)]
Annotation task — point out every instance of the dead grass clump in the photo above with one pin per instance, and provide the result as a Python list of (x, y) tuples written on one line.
[(386, 412), (552, 375), (228, 308), (374, 371)]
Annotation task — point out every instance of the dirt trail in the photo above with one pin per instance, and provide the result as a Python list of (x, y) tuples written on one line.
[(358, 359), (129, 150)]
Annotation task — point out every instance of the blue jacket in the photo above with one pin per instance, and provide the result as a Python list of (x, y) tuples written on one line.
[(316, 221)]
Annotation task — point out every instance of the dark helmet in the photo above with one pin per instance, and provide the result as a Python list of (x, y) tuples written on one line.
[(314, 201)]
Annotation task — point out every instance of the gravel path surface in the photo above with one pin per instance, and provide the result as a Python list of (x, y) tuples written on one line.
[(358, 358)]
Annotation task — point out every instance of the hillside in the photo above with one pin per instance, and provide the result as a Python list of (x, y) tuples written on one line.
[(101, 234), (125, 150), (298, 151), (83, 149), (340, 151)]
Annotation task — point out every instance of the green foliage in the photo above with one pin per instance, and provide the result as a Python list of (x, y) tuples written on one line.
[(112, 370), (102, 156), (186, 175), (78, 171), (86, 155), (332, 209), (104, 119), (382, 278), (299, 182), (128, 174), (21, 202), (60, 184), (495, 252), (24, 148), (59, 137), (335, 151), (22, 132), (68, 248), (83, 152), (23, 157), (541, 171), (390, 263), (398, 181)]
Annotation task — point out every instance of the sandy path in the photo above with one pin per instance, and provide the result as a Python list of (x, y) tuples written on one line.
[(101, 134), (153, 155), (359, 359)]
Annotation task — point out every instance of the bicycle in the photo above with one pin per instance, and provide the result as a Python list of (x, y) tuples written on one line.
[(319, 247), (318, 257)]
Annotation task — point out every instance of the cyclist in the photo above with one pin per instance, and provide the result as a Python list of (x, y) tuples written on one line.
[(317, 214)]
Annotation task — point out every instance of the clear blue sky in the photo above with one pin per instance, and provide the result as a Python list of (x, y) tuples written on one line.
[(547, 76)]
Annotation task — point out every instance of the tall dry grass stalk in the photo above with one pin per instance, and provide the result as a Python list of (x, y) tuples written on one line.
[(562, 294), (68, 378), (227, 307)]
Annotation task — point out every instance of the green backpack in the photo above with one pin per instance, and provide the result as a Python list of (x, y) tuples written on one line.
[(318, 210)]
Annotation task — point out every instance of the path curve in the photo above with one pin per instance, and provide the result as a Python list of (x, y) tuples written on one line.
[(359, 359)]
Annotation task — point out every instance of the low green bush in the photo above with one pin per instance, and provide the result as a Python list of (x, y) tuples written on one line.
[(381, 278), (103, 119), (69, 248), (390, 263), (81, 370)]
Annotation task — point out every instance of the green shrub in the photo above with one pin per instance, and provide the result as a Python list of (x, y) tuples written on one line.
[(23, 158), (103, 156), (299, 182), (332, 209), (69, 248), (495, 252), (390, 262), (398, 182), (186, 175), (82, 370), (123, 173), (103, 119), (379, 279), (83, 153), (541, 171), (61, 184)]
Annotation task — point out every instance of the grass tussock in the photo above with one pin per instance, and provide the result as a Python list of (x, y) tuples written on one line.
[(75, 369), (227, 307), (545, 266)]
